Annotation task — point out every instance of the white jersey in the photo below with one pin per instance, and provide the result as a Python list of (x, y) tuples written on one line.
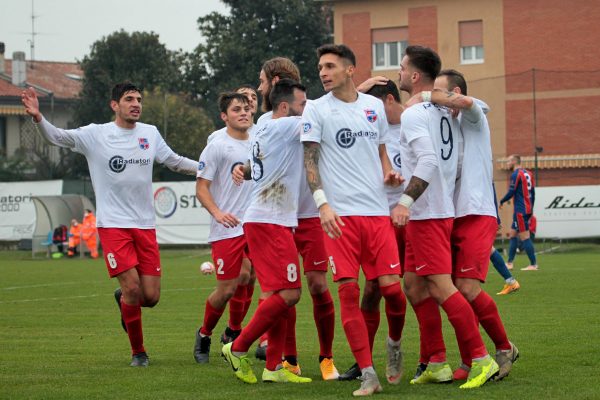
[(217, 161), (474, 193), (349, 163), (223, 131), (120, 162), (435, 122), (276, 164), (393, 149), (306, 204)]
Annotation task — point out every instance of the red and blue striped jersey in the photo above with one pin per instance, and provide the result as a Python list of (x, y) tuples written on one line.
[(522, 188)]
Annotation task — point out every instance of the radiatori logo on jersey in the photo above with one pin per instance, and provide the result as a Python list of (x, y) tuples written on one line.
[(117, 163), (346, 138)]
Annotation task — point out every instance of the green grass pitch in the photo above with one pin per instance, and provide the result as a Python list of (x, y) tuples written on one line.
[(60, 336)]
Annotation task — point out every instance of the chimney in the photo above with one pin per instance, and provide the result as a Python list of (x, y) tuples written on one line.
[(19, 69), (2, 58)]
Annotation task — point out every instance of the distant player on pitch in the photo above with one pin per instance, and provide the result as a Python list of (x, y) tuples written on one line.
[(120, 157)]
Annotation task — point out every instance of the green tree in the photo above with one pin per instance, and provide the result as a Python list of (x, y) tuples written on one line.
[(237, 44), (138, 57), (184, 127)]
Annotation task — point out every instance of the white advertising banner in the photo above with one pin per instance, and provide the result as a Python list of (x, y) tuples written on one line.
[(567, 212), (17, 212), (180, 218)]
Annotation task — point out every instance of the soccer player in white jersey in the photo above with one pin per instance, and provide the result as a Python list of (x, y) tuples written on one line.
[(387, 91), (430, 138), (120, 157), (226, 202), (276, 169), (250, 93), (309, 241), (344, 135), (475, 222)]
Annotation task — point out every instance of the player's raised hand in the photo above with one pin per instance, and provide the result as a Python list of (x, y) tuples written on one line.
[(226, 219), (30, 102), (400, 215), (369, 83), (393, 178), (330, 221), (238, 174)]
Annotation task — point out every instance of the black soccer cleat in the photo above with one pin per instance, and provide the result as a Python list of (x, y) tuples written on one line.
[(230, 335), (118, 295), (201, 348), (420, 369), (350, 375), (261, 352)]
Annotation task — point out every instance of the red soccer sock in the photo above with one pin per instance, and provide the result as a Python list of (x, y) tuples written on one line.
[(433, 348), (324, 314), (132, 316), (264, 337), (354, 324), (486, 311), (278, 332), (237, 305), (248, 302), (372, 319), (265, 316), (289, 347), (395, 309), (461, 316), (211, 318)]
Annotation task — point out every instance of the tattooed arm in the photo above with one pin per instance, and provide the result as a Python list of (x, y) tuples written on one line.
[(330, 221)]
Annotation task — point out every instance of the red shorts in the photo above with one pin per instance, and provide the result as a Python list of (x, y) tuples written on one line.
[(366, 241), (274, 256), (309, 239), (472, 238), (401, 242), (227, 255), (428, 247), (127, 248)]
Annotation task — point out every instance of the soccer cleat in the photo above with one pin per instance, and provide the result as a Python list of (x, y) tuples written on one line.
[(328, 370), (369, 385), (509, 288), (434, 373), (420, 369), (118, 295), (509, 265), (393, 369), (481, 372), (505, 360), (201, 348), (294, 369), (241, 365), (283, 375), (350, 375), (139, 360), (261, 351), (461, 373), (530, 268), (230, 335)]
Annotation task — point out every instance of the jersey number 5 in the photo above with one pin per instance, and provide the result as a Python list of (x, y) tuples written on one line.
[(448, 142)]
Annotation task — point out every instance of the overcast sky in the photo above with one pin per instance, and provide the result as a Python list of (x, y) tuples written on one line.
[(67, 28)]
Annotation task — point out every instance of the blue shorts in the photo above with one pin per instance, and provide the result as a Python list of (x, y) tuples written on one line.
[(520, 222)]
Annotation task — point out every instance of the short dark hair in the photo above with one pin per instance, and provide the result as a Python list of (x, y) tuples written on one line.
[(455, 79), (121, 88), (340, 50), (283, 91), (425, 60), (381, 91), (226, 98), (517, 157)]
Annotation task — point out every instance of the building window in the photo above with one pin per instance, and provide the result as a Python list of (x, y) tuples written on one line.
[(2, 136), (471, 42), (389, 45)]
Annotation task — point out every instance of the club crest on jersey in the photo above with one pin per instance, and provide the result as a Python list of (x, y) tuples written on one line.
[(144, 144), (371, 115)]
